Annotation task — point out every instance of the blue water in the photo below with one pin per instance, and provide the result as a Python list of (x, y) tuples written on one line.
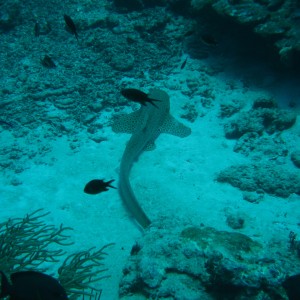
[(224, 202)]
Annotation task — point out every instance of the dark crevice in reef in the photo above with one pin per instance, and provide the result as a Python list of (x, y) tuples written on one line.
[(234, 41)]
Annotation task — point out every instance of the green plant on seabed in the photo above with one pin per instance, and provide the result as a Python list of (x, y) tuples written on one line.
[(25, 243), (80, 270)]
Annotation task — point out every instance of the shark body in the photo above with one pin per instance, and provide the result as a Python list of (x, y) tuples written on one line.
[(146, 125)]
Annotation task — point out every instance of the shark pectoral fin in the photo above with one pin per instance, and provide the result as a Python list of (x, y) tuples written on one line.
[(174, 127), (126, 123)]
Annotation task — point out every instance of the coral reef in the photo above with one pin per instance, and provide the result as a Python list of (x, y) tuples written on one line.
[(42, 104), (263, 117), (270, 178), (253, 144), (258, 132), (197, 262), (275, 21)]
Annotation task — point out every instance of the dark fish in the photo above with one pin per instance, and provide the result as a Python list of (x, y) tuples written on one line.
[(71, 26), (138, 96), (209, 40), (48, 62), (292, 287), (31, 285), (97, 186), (37, 29), (183, 64)]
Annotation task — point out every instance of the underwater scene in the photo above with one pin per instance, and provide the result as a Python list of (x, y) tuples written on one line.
[(150, 149)]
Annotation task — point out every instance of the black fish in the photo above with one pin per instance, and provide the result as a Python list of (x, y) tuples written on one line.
[(31, 285), (292, 287), (184, 63), (97, 186), (71, 26), (37, 29), (138, 96)]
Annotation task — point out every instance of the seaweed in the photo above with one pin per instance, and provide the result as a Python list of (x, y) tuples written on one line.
[(24, 243), (27, 243), (79, 270)]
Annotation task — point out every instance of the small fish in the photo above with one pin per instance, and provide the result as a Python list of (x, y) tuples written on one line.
[(209, 40), (31, 285), (292, 287), (48, 62), (183, 64), (138, 96), (37, 29), (97, 186), (71, 26)]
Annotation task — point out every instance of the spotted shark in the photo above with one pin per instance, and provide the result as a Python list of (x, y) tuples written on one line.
[(145, 125)]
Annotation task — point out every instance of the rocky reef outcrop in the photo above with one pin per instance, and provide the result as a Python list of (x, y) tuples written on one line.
[(198, 262), (276, 21)]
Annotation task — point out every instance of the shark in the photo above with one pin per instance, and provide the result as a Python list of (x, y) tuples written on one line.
[(145, 125)]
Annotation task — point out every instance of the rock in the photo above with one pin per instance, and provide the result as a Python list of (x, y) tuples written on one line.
[(235, 221), (278, 120), (95, 107), (16, 181), (189, 262), (270, 178), (87, 119), (295, 157), (98, 138), (229, 109), (274, 21), (258, 120), (253, 144), (243, 123), (253, 197), (248, 12), (190, 113), (264, 103)]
